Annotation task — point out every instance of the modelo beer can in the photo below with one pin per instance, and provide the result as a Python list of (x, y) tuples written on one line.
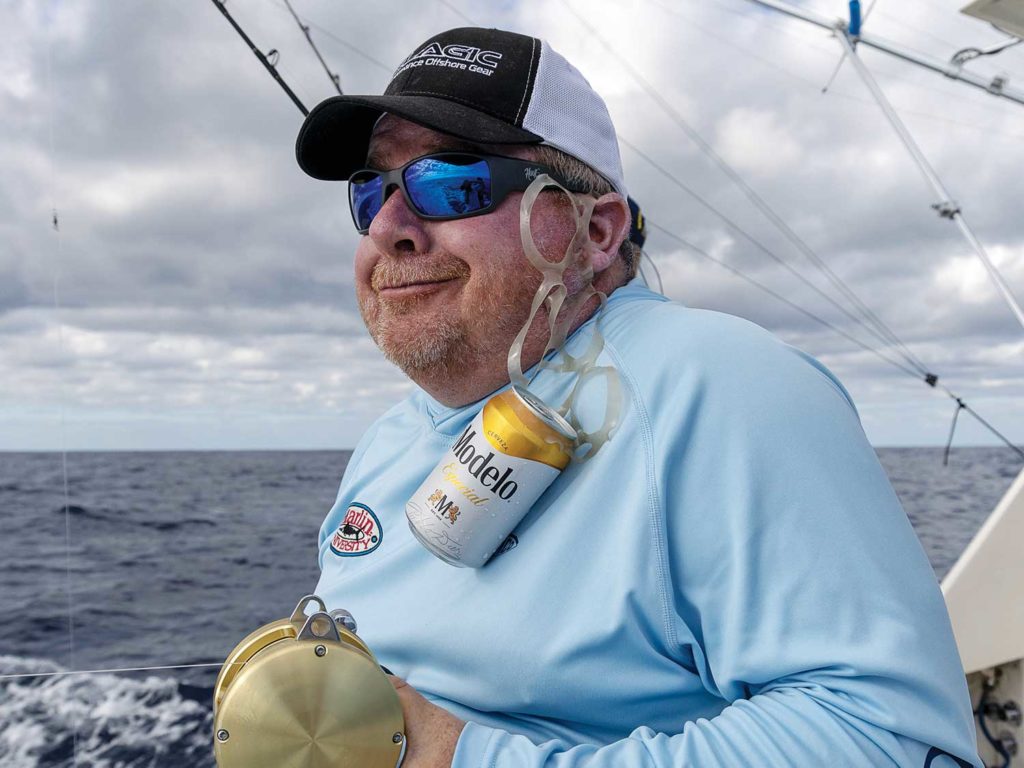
[(487, 482)]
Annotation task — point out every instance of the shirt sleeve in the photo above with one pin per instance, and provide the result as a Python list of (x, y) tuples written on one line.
[(795, 588)]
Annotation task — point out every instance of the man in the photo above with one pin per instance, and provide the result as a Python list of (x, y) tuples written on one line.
[(730, 581)]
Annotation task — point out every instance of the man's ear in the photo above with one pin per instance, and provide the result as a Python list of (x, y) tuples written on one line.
[(609, 227)]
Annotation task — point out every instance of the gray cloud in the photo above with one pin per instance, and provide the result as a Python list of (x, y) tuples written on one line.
[(205, 286)]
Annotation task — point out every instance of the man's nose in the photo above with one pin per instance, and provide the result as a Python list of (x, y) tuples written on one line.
[(396, 228)]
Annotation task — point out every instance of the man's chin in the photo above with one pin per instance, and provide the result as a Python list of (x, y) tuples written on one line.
[(408, 308), (419, 345)]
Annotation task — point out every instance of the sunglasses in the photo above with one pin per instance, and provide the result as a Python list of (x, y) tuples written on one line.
[(443, 186)]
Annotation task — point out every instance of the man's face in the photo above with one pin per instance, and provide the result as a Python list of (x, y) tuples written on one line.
[(443, 294)]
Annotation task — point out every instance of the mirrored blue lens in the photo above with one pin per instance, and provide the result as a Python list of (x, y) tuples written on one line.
[(449, 187), (364, 198)]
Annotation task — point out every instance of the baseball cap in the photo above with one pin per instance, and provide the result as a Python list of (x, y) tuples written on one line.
[(486, 86)]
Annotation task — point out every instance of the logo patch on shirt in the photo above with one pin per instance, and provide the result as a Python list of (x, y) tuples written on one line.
[(358, 534)]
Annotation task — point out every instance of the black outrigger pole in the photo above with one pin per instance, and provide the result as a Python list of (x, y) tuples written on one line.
[(263, 59)]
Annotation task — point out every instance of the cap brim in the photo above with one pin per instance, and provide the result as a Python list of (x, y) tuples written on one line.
[(336, 135)]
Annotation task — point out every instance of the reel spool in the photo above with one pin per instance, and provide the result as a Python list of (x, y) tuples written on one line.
[(306, 692)]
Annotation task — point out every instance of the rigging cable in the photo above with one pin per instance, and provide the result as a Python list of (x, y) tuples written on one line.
[(771, 292), (708, 32), (931, 379), (73, 672), (882, 330), (870, 318), (971, 97), (949, 70), (922, 371), (946, 207)]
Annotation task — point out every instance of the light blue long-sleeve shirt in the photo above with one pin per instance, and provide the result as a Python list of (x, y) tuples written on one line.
[(730, 581)]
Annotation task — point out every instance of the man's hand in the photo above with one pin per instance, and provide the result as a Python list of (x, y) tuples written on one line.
[(431, 732)]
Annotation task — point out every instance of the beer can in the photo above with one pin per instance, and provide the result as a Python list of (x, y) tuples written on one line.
[(490, 478)]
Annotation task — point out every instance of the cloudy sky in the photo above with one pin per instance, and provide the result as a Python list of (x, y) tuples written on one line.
[(203, 283)]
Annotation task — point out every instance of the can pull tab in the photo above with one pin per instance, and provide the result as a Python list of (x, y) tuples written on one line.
[(553, 293), (590, 442)]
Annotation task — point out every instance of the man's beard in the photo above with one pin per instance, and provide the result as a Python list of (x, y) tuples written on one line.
[(445, 342), (433, 348)]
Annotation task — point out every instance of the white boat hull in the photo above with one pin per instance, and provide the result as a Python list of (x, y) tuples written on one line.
[(984, 593)]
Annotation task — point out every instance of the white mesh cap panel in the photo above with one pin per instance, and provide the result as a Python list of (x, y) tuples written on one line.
[(569, 114)]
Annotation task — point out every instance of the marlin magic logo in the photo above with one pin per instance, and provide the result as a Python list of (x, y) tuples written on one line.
[(465, 57), (359, 532)]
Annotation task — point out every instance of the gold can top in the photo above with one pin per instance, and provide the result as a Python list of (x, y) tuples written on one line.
[(518, 423)]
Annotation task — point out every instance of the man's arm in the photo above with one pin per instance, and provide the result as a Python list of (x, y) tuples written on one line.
[(758, 737)]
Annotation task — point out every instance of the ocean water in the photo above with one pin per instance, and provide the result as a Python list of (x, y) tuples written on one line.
[(174, 557)]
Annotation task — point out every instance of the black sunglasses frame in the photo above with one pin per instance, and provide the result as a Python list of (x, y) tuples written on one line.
[(508, 174)]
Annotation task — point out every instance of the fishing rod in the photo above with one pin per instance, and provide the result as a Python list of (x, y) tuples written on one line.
[(335, 78), (221, 6)]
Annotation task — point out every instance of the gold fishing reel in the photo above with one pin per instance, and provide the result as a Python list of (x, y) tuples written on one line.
[(306, 692)]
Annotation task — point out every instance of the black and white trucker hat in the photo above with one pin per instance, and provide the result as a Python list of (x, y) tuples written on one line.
[(481, 85)]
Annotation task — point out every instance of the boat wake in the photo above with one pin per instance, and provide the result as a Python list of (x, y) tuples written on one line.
[(110, 721)]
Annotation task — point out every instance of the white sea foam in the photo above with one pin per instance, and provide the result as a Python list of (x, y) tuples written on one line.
[(121, 721)]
